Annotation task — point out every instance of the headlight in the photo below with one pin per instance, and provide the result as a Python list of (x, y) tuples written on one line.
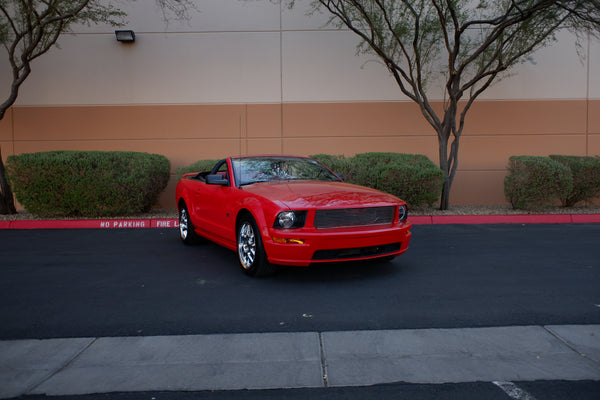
[(290, 219), (402, 213), (286, 219)]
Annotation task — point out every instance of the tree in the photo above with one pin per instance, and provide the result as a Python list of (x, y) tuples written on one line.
[(29, 28), (472, 43)]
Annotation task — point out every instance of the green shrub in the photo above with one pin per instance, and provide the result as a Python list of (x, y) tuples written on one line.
[(412, 177), (535, 182), (87, 183), (198, 166), (586, 178), (337, 164)]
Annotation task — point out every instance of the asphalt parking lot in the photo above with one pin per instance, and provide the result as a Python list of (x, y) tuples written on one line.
[(145, 284), (82, 283)]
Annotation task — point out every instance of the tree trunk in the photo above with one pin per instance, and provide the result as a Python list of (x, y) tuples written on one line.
[(443, 156), (449, 167), (7, 203), (445, 199), (448, 161)]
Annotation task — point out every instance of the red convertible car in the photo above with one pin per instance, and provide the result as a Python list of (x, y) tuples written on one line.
[(283, 210)]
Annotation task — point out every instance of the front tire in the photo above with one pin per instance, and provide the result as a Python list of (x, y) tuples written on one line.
[(251, 251)]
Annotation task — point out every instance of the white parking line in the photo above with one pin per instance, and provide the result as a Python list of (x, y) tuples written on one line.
[(513, 391)]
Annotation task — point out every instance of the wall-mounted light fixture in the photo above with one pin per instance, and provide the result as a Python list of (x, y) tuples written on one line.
[(125, 36)]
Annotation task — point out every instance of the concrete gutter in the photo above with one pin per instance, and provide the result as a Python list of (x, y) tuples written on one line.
[(416, 219), (298, 360)]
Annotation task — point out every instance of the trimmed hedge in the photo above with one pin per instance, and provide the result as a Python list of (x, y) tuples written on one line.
[(338, 164), (198, 166), (87, 183), (412, 177), (535, 182), (586, 178)]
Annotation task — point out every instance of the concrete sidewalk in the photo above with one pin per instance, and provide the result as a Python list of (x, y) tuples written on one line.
[(297, 360)]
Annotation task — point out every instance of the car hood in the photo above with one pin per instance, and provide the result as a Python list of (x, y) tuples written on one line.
[(309, 194)]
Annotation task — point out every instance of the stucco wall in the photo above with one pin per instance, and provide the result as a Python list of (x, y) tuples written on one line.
[(244, 77)]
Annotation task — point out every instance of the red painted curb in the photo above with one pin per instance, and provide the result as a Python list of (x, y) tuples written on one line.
[(420, 219), (505, 219), (416, 220), (586, 218), (91, 224), (165, 223)]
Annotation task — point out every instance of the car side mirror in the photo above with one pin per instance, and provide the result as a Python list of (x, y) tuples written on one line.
[(216, 180)]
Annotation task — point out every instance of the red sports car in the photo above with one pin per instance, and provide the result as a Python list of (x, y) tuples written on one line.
[(289, 211)]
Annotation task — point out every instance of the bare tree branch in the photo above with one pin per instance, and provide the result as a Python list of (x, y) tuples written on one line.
[(479, 40), (30, 28)]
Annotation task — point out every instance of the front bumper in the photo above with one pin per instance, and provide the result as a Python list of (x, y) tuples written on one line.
[(302, 247)]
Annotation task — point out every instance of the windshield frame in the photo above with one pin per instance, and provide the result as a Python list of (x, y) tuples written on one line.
[(279, 168)]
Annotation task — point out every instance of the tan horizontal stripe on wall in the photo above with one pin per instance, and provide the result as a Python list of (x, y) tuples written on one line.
[(495, 130)]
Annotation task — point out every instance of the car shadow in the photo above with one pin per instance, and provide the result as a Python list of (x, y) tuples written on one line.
[(339, 271), (218, 260)]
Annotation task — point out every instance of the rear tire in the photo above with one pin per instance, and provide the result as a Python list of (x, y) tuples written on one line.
[(186, 228), (251, 251)]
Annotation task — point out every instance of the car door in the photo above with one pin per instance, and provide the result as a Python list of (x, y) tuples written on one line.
[(216, 206)]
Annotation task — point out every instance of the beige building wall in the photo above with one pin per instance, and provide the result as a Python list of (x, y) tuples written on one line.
[(244, 77)]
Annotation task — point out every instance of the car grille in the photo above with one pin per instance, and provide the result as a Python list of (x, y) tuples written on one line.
[(357, 252), (345, 217)]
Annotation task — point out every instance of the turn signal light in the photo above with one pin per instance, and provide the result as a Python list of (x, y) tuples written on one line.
[(288, 240)]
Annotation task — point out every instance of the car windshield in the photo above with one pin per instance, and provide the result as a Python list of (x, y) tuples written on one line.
[(250, 170)]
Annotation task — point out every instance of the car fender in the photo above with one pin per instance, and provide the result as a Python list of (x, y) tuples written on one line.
[(180, 192), (257, 209), (253, 206), (183, 191)]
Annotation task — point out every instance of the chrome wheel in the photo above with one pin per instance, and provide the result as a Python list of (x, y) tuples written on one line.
[(247, 245), (186, 228), (183, 224), (251, 252)]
